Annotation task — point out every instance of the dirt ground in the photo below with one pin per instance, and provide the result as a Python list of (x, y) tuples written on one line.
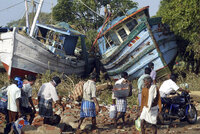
[(177, 127), (105, 125)]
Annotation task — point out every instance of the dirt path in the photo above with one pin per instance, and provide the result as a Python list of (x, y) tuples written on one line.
[(105, 124)]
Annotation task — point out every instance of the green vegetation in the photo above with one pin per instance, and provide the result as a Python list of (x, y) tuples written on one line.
[(183, 18), (44, 18), (83, 15), (181, 15)]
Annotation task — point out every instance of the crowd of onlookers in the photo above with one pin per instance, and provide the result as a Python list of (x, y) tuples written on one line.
[(19, 99)]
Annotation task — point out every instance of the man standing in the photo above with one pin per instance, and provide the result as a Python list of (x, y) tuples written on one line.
[(121, 103), (46, 96), (150, 104), (26, 100), (153, 72), (140, 83), (14, 95), (89, 101)]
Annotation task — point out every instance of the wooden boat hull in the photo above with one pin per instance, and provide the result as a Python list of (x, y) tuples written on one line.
[(23, 55), (139, 49)]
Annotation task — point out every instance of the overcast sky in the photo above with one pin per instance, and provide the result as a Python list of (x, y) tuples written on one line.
[(11, 10)]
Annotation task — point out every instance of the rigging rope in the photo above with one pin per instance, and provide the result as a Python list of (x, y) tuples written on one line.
[(91, 9), (100, 31), (11, 6)]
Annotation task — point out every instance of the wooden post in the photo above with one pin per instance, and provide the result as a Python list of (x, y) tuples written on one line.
[(13, 50), (36, 17), (27, 19)]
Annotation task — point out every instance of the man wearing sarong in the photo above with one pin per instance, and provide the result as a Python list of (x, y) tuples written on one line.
[(150, 105), (46, 96), (121, 103), (27, 106), (89, 102)]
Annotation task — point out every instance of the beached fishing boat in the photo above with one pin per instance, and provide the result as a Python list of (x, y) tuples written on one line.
[(128, 43), (50, 48), (46, 47)]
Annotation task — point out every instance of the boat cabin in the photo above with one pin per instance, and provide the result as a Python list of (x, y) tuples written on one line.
[(59, 39), (118, 30)]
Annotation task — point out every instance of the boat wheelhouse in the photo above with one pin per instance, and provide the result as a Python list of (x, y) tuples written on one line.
[(128, 43)]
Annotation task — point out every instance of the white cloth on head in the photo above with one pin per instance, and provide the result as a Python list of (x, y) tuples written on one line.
[(13, 93), (117, 82), (47, 91), (149, 113), (167, 87), (121, 103)]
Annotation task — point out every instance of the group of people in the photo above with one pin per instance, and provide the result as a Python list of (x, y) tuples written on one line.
[(149, 97), (20, 104)]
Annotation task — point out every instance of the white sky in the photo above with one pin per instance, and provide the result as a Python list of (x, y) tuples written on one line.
[(153, 5), (9, 14)]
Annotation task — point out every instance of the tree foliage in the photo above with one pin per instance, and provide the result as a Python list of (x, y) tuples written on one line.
[(184, 19), (83, 15), (80, 12), (44, 18)]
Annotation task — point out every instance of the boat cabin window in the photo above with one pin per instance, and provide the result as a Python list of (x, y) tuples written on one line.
[(122, 33), (125, 29), (111, 39), (108, 40), (131, 24)]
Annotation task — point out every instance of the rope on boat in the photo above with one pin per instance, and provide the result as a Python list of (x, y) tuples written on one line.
[(90, 8), (11, 6), (100, 32)]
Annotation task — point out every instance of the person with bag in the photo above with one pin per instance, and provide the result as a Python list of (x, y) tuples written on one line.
[(26, 98), (46, 96), (89, 104), (13, 104), (120, 94), (150, 105)]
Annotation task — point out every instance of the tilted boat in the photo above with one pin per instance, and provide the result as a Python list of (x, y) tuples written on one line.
[(50, 48), (128, 43)]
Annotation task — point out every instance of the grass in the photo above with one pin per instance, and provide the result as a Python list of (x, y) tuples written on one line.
[(68, 83), (64, 89)]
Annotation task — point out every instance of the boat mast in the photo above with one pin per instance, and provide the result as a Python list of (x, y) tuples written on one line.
[(36, 17), (27, 20)]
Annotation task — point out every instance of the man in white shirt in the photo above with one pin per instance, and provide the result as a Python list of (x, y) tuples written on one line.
[(169, 86), (14, 94), (26, 98), (46, 96)]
